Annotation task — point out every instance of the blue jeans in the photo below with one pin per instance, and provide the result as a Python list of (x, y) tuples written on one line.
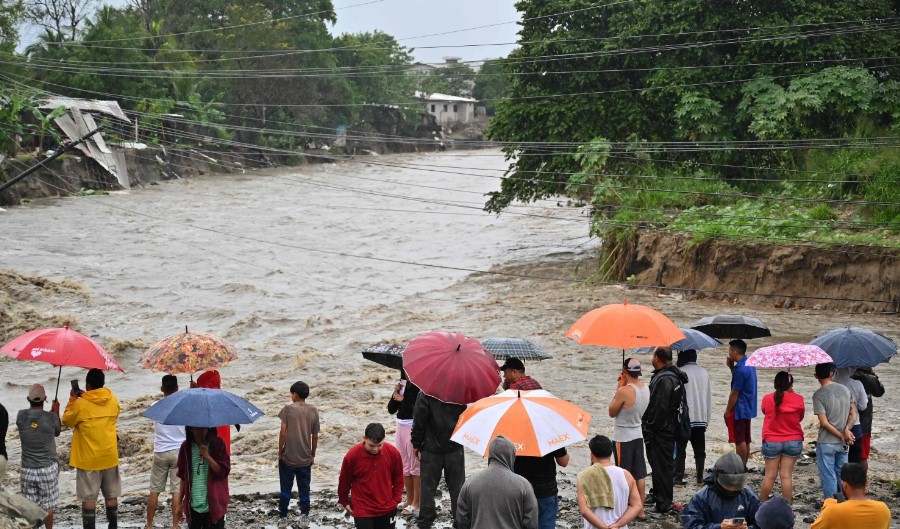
[(547, 508), (287, 475), (830, 458)]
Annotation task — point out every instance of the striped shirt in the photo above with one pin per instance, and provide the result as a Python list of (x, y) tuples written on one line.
[(199, 501)]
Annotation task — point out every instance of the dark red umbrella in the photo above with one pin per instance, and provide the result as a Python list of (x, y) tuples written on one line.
[(60, 346), (451, 367)]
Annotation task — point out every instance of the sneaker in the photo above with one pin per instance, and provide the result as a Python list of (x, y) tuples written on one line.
[(303, 523), (283, 523)]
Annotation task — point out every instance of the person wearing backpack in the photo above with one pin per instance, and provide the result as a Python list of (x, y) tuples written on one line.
[(663, 424)]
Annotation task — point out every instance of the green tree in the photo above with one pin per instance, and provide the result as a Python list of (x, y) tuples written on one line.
[(491, 84), (453, 79), (11, 12), (665, 71)]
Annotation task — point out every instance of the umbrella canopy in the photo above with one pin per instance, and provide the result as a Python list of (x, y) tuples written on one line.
[(856, 346), (387, 354), (787, 355), (188, 352), (60, 347), (625, 326), (536, 422), (203, 408), (505, 348), (732, 326), (451, 367), (693, 339)]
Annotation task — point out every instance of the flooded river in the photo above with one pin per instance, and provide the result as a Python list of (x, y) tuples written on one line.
[(301, 268)]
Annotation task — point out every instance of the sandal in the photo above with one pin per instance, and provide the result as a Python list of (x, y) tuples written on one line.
[(409, 511)]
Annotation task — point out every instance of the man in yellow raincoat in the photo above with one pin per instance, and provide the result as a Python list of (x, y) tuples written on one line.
[(92, 414)]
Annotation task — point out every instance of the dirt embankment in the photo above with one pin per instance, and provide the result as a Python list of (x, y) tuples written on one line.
[(847, 278)]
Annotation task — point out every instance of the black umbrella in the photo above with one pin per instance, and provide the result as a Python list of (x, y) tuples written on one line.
[(388, 354), (732, 326)]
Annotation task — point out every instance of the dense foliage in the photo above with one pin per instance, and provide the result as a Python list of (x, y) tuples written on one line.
[(688, 71)]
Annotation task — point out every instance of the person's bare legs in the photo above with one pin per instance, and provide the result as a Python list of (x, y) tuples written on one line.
[(408, 486), (416, 488), (768, 483), (152, 502), (48, 521), (787, 477), (743, 450), (176, 510), (641, 486)]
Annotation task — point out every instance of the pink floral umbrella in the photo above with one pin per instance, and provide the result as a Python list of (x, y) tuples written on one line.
[(788, 355)]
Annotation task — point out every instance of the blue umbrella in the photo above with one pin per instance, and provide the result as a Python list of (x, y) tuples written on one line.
[(203, 408), (856, 346), (693, 339)]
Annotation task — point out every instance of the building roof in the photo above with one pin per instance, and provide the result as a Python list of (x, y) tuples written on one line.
[(444, 97), (110, 108)]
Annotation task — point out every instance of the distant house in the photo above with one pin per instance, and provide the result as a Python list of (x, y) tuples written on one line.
[(420, 68), (449, 110)]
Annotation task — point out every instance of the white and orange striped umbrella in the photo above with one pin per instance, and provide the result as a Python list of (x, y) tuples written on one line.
[(535, 421)]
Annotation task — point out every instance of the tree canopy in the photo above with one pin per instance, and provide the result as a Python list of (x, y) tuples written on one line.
[(688, 71)]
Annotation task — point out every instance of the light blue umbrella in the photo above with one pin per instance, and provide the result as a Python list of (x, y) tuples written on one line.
[(693, 339), (203, 408), (856, 347)]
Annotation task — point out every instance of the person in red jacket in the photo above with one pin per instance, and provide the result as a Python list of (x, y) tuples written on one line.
[(203, 466), (371, 483), (213, 380)]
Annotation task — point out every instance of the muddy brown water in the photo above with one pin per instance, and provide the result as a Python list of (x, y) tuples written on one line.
[(243, 256)]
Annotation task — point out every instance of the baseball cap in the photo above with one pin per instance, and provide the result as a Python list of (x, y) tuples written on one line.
[(37, 394), (633, 366), (730, 472), (513, 363)]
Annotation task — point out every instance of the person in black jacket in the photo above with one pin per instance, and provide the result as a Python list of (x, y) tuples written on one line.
[(660, 424), (874, 388), (433, 423), (402, 402)]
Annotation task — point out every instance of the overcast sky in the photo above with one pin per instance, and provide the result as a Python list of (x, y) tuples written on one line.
[(412, 18), (408, 19)]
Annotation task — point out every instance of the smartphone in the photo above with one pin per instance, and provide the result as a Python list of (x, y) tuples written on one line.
[(75, 387), (737, 521)]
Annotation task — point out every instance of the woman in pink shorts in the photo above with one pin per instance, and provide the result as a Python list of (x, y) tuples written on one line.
[(402, 402)]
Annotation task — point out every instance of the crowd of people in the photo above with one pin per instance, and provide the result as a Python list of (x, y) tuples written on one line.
[(653, 423)]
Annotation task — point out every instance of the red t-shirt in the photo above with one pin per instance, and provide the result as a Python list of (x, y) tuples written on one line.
[(786, 424), (372, 485)]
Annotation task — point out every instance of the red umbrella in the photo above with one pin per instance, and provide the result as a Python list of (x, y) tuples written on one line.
[(60, 347), (451, 367)]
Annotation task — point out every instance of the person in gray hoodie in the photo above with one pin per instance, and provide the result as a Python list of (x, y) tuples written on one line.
[(497, 498)]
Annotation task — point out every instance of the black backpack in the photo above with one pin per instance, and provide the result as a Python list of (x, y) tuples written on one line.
[(682, 416)]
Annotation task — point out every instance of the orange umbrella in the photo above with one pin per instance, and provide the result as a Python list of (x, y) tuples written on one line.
[(625, 326), (535, 421)]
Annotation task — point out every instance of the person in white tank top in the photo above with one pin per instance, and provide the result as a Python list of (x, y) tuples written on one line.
[(596, 482)]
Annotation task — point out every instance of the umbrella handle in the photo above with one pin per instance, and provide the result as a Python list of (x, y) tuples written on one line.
[(57, 383)]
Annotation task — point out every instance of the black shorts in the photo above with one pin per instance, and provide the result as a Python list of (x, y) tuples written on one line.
[(630, 456), (379, 522), (742, 431)]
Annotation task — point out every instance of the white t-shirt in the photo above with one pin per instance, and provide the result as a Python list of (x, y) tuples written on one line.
[(167, 436)]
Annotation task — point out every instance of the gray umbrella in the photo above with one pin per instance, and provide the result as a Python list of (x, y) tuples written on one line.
[(504, 348)]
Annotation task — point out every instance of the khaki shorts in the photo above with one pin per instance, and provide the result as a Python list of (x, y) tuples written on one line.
[(90, 482), (165, 466)]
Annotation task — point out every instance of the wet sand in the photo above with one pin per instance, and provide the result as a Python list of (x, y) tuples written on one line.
[(293, 317)]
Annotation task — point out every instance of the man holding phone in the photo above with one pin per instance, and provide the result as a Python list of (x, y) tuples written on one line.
[(92, 414), (725, 502)]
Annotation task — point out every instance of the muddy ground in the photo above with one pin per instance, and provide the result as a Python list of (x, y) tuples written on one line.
[(350, 392)]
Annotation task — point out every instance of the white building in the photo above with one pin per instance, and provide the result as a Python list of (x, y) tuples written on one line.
[(449, 110)]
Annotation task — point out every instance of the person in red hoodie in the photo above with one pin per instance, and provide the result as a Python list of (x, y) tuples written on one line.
[(371, 482), (213, 380), (203, 466), (782, 435)]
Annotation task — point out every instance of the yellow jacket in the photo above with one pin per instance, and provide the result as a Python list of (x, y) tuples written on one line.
[(93, 418)]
